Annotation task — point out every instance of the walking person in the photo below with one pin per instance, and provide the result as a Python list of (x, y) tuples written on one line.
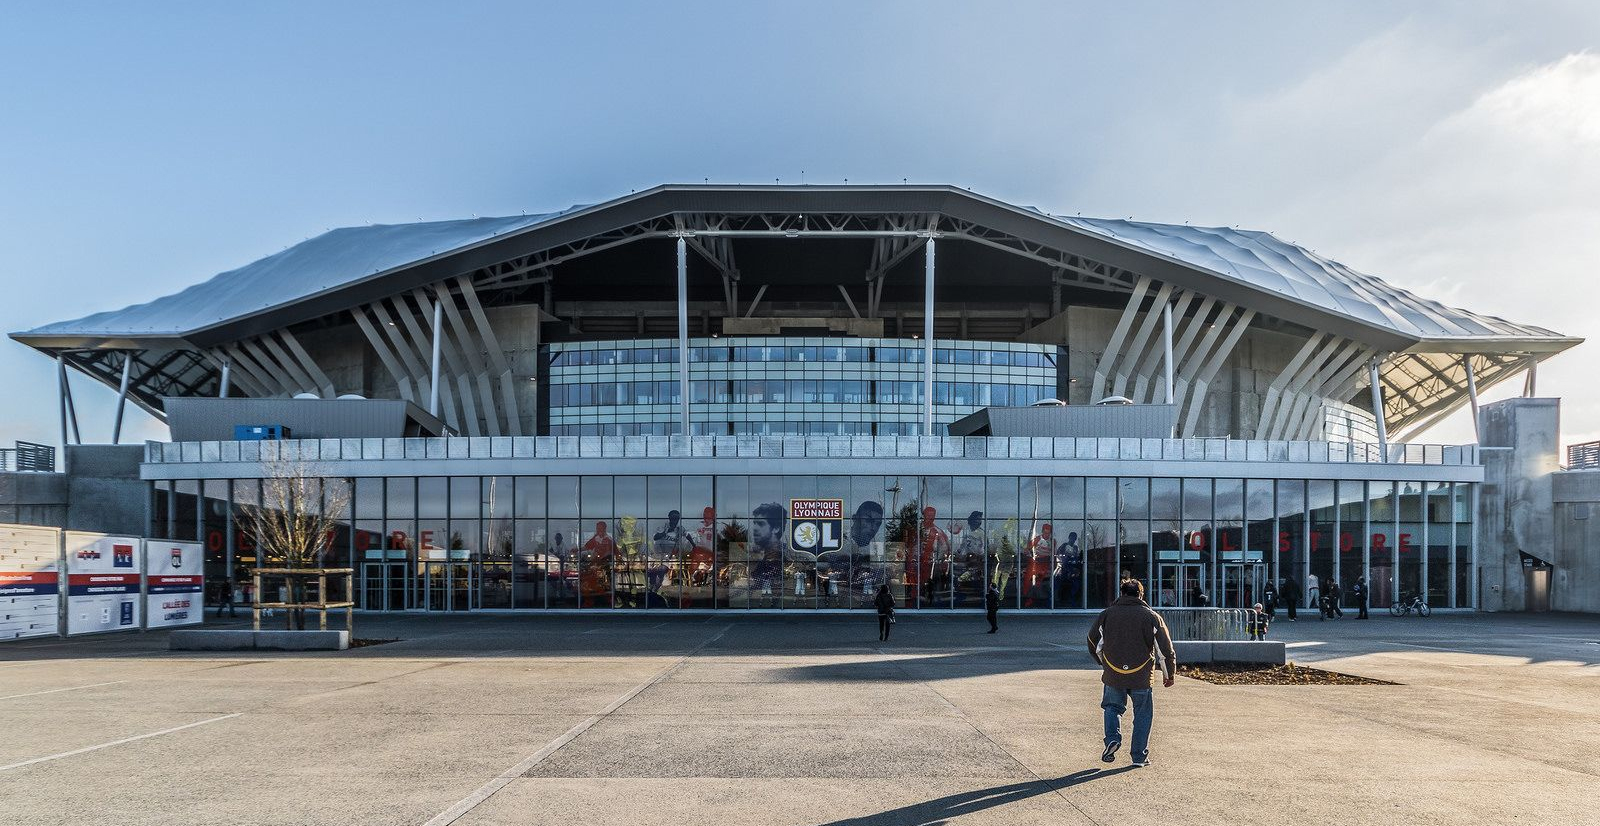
[(1128, 640), (1269, 598), (1314, 597), (991, 607), (225, 598), (885, 605), (1335, 610), (1359, 592), (1291, 595)]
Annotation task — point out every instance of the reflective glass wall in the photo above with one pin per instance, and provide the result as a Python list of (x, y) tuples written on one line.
[(938, 542), (777, 386)]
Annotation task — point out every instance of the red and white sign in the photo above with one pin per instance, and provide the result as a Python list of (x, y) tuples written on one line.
[(30, 584), (102, 583), (175, 585)]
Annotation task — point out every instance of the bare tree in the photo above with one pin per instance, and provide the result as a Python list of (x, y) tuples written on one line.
[(295, 524)]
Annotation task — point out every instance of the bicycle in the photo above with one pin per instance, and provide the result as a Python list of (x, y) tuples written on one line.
[(1405, 607)]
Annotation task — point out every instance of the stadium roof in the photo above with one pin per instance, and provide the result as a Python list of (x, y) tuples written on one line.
[(344, 267)]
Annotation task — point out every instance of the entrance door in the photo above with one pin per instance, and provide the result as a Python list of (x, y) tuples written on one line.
[(1241, 584), (383, 586), (1177, 583), (450, 586)]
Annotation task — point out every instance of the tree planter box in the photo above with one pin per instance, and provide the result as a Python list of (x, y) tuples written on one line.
[(231, 640), (1269, 652)]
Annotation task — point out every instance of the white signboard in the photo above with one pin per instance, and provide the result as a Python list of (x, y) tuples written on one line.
[(174, 580), (30, 581), (102, 583)]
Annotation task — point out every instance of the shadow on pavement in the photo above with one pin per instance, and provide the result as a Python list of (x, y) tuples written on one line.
[(947, 808)]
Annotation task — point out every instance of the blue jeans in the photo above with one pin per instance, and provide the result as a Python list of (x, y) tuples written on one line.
[(1115, 701)]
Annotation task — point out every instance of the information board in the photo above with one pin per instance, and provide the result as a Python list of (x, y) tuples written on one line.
[(102, 583), (174, 583), (30, 584)]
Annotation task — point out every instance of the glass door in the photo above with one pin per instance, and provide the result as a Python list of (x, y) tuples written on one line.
[(450, 586), (383, 586), (1178, 585), (1241, 584)]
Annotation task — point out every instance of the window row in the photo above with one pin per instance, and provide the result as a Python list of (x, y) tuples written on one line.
[(796, 391), (839, 354), (1061, 542)]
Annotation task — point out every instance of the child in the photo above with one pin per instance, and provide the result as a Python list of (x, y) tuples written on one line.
[(1257, 623)]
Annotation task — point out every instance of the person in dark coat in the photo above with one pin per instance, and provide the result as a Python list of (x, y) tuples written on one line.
[(1291, 595), (1269, 599), (1130, 641), (1359, 592), (885, 605), (991, 607), (225, 598), (1334, 594)]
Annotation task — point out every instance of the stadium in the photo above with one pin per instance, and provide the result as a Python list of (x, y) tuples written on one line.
[(702, 397)]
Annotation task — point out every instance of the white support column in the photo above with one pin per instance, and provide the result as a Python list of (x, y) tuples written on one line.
[(222, 383), (927, 344), (433, 384), (122, 397), (1530, 385), (1472, 394), (1377, 408), (683, 329), (1166, 340)]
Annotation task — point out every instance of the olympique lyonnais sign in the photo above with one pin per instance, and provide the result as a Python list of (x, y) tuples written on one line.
[(174, 583), (816, 525)]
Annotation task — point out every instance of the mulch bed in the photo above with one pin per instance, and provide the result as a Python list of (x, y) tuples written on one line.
[(362, 642), (1257, 674)]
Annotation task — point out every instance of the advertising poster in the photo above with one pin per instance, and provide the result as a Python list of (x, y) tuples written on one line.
[(174, 578), (102, 583), (30, 588)]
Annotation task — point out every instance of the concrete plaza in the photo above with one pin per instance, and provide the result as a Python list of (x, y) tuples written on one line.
[(645, 720)]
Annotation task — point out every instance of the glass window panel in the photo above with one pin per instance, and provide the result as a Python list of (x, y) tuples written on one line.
[(1101, 498), (529, 496), (1068, 497), (1134, 498)]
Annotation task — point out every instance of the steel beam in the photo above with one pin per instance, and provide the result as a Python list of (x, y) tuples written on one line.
[(122, 398), (1472, 394), (1377, 407), (433, 386)]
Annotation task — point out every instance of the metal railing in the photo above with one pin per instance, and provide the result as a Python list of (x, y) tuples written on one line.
[(1207, 624), (819, 447), (1585, 456), (28, 457)]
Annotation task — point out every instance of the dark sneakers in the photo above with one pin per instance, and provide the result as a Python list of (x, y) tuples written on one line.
[(1110, 754)]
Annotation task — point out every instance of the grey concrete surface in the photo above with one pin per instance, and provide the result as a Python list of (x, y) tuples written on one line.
[(662, 719)]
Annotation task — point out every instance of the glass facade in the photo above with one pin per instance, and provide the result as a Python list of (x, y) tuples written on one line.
[(786, 386), (664, 542)]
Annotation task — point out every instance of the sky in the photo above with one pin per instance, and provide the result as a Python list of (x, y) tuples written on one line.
[(1452, 148)]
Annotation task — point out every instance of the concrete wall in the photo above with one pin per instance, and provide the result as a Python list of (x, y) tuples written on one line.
[(104, 492), (1521, 455), (1576, 581), (100, 491)]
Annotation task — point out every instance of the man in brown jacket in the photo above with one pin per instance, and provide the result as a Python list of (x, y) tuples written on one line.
[(1126, 639)]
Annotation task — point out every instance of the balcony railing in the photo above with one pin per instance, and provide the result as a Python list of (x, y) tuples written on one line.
[(28, 457), (806, 447)]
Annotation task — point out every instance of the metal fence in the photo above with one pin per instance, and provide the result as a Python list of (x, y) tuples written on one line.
[(1585, 456), (28, 457), (835, 447), (1207, 624)]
